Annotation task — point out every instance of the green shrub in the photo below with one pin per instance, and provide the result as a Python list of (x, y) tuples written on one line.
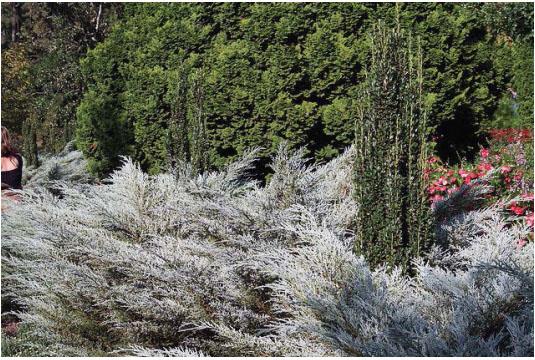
[(102, 132), (514, 59), (511, 25), (393, 221), (29, 145), (278, 72), (523, 80)]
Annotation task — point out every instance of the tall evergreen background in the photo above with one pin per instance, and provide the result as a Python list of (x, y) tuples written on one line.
[(272, 72), (42, 44)]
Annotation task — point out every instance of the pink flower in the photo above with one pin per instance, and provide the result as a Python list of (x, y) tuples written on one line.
[(505, 169), (529, 219), (527, 196), (484, 153), (484, 167), (443, 181), (463, 173), (521, 243), (437, 198)]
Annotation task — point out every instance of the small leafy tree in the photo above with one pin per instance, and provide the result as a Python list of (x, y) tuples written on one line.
[(393, 220)]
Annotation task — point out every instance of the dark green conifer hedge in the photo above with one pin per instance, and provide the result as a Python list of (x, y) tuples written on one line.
[(285, 71)]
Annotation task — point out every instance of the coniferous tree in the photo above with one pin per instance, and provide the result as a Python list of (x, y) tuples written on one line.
[(288, 72), (178, 142), (393, 220), (187, 140), (199, 144)]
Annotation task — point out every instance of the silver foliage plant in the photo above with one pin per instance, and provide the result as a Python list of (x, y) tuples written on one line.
[(216, 265), (67, 166)]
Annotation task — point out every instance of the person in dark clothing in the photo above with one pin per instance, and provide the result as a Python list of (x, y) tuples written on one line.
[(12, 179), (11, 164)]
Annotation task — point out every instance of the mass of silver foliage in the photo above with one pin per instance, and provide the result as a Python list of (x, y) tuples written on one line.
[(69, 166), (217, 265)]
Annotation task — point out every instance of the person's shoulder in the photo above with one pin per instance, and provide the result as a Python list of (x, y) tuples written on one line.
[(19, 159), (12, 160)]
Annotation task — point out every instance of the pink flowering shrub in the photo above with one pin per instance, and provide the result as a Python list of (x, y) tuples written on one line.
[(511, 135), (503, 165)]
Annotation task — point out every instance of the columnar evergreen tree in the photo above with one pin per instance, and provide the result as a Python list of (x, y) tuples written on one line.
[(187, 136), (199, 143), (178, 142), (393, 221)]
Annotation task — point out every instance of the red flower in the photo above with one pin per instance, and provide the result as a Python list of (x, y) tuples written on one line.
[(484, 153), (518, 210), (511, 135), (469, 177)]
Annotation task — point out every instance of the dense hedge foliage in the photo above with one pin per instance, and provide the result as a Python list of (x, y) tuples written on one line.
[(518, 56), (512, 26), (274, 72)]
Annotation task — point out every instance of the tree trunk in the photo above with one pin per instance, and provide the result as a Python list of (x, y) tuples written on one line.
[(15, 21)]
